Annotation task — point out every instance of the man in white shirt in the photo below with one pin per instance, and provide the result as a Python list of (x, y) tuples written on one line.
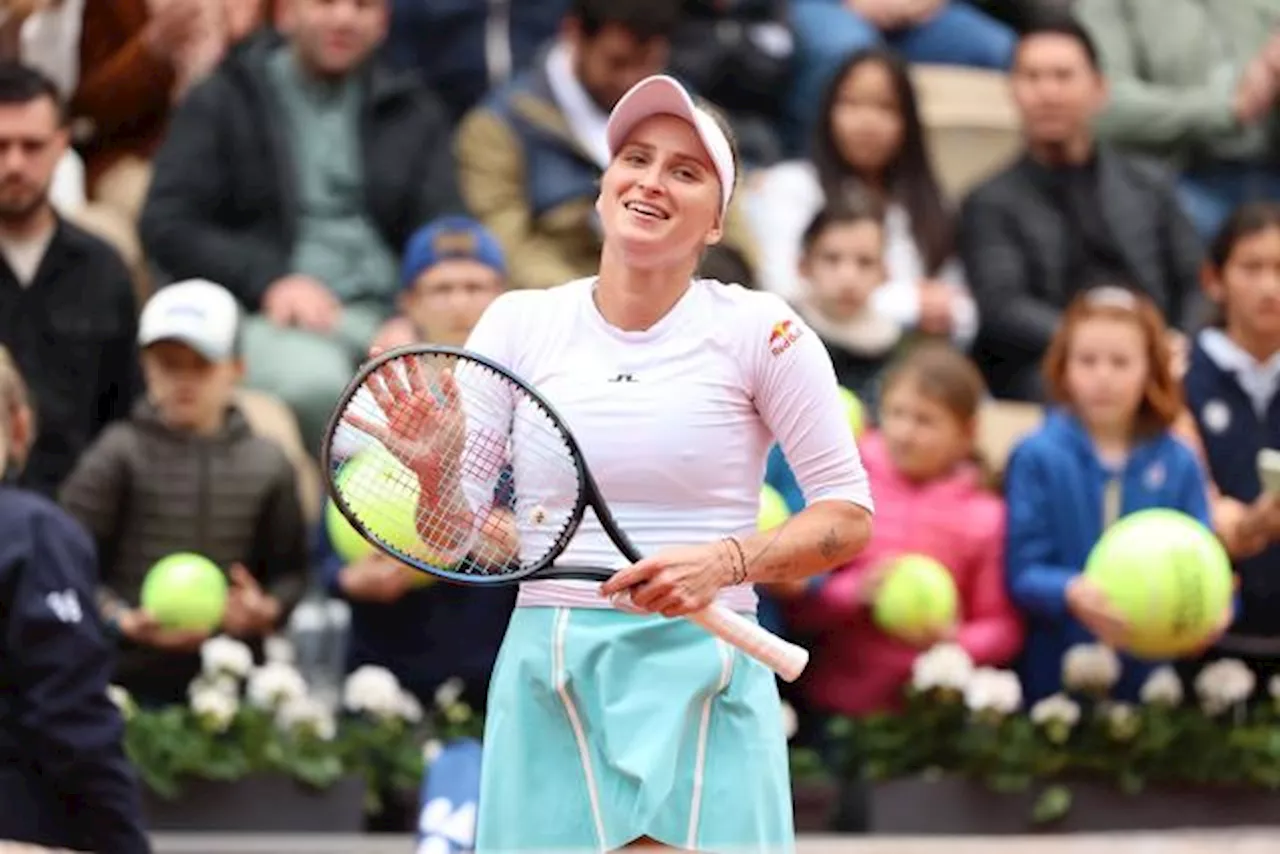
[(531, 154)]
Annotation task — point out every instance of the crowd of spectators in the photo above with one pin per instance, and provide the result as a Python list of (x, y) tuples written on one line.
[(313, 177)]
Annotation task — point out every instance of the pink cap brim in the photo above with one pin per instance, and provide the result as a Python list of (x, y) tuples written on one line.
[(661, 95)]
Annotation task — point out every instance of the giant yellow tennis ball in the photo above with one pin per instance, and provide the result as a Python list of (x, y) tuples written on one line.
[(185, 591), (917, 595), (383, 495), (1168, 575), (773, 509), (854, 411)]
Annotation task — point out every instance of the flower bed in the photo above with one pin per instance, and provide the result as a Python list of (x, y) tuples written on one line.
[(261, 729), (966, 724)]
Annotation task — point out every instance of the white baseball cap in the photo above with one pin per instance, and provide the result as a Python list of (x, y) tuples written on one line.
[(196, 312), (663, 95)]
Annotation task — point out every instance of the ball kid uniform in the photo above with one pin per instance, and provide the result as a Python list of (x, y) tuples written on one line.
[(605, 726)]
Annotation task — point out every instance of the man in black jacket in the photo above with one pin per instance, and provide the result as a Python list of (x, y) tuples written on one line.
[(67, 309), (64, 778), (293, 176), (1067, 215)]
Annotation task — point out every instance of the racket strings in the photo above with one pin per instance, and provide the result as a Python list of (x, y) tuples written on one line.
[(449, 465)]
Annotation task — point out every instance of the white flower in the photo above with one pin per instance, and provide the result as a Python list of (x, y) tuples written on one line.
[(431, 751), (223, 683), (224, 656), (944, 667), (123, 700), (790, 723), (449, 692), (306, 714), (1090, 667), (215, 709), (408, 708), (374, 690), (993, 691), (274, 684), (278, 649), (1123, 722), (1058, 708), (1162, 688), (1223, 684)]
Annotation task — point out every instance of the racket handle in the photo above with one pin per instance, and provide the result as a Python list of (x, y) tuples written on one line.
[(782, 657)]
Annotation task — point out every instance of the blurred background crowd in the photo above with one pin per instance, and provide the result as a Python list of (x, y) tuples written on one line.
[(1054, 219)]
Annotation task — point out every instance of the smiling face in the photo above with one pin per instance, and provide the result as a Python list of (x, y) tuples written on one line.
[(659, 199)]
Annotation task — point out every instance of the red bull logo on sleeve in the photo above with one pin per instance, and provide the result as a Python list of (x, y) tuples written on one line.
[(784, 334)]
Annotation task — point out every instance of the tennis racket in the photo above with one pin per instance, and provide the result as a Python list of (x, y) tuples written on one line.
[(438, 457)]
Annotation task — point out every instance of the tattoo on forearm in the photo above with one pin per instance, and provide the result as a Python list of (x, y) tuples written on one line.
[(831, 545)]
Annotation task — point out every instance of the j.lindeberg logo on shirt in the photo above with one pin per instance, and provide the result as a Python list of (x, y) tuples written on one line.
[(623, 378)]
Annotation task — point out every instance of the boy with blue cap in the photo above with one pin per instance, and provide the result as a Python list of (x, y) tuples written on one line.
[(452, 269)]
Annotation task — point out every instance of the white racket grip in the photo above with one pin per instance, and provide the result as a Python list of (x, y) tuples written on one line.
[(782, 657)]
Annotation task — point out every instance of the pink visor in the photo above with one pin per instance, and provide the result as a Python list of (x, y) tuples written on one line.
[(662, 95)]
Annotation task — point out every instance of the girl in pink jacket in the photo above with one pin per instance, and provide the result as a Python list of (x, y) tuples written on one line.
[(930, 500)]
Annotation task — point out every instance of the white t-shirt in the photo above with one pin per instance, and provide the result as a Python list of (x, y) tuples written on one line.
[(675, 421)]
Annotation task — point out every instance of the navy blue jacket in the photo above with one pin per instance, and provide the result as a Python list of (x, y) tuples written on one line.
[(1054, 486), (1232, 434), (64, 778)]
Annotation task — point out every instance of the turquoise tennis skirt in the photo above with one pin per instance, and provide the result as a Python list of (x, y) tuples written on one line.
[(604, 727)]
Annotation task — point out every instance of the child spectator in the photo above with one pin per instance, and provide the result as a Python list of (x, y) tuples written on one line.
[(841, 266), (185, 474), (453, 268), (930, 500), (65, 781), (1231, 386), (1105, 453)]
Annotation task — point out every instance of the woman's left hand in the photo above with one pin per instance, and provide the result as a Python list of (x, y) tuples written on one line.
[(677, 581)]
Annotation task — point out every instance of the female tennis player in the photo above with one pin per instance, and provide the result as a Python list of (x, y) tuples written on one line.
[(606, 726)]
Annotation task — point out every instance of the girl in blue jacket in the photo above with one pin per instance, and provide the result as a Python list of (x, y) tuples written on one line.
[(1106, 451)]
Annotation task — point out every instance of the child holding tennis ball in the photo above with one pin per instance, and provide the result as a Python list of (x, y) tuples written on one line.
[(184, 473), (931, 500), (427, 634), (1104, 452), (1231, 386)]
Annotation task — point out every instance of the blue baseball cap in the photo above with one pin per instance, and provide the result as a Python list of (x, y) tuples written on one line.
[(450, 237)]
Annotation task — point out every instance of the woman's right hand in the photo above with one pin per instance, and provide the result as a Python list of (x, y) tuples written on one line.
[(1089, 604), (425, 434)]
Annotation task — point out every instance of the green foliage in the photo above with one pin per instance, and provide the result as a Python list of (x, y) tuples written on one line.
[(1130, 746)]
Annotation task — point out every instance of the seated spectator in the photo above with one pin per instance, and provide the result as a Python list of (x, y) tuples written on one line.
[(1231, 386), (64, 778), (944, 32), (738, 54), (1106, 453), (870, 140), (427, 635), (137, 59), (464, 48), (67, 311), (930, 500), (1069, 214), (50, 42), (1197, 85), (452, 269), (186, 474), (302, 210), (531, 155)]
